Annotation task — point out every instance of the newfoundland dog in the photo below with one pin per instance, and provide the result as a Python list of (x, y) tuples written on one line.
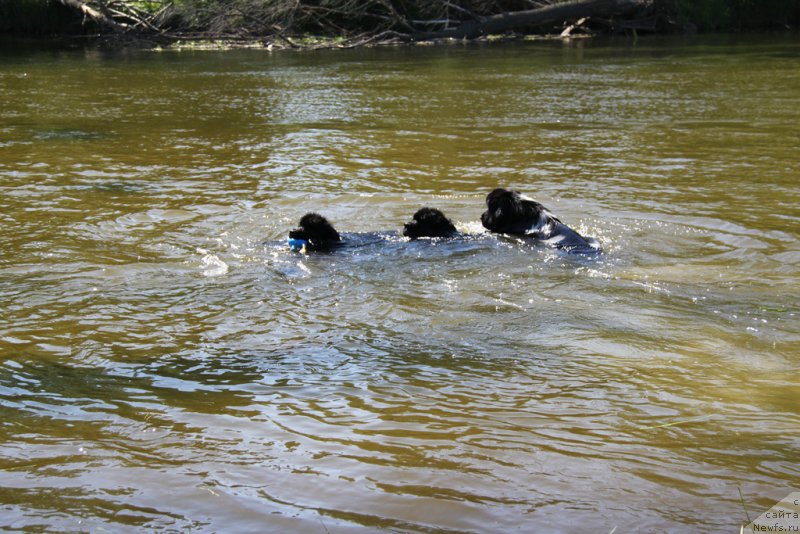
[(510, 212), (429, 222)]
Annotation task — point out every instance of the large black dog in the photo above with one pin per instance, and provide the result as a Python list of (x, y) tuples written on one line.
[(510, 212), (315, 232)]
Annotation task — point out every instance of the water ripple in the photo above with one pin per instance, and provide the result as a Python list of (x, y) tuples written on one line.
[(166, 363)]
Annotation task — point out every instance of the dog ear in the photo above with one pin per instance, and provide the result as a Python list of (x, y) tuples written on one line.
[(511, 204)]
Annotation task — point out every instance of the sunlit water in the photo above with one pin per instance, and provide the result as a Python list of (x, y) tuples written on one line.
[(166, 363)]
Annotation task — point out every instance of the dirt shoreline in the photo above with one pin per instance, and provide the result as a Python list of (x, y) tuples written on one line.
[(305, 43)]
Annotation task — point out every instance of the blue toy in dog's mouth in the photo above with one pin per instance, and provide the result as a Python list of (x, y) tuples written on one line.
[(297, 245)]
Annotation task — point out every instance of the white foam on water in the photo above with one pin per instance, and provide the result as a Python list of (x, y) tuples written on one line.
[(213, 266)]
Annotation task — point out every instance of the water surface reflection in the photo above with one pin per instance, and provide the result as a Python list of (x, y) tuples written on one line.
[(165, 363)]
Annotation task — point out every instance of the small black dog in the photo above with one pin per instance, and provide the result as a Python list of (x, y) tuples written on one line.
[(314, 232), (510, 212), (429, 222)]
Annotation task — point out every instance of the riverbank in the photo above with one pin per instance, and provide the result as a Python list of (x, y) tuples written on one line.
[(101, 43), (301, 25)]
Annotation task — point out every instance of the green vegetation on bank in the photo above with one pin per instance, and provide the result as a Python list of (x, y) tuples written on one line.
[(287, 20)]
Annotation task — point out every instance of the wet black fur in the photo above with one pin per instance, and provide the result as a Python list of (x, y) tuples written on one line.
[(316, 229), (508, 212), (429, 222)]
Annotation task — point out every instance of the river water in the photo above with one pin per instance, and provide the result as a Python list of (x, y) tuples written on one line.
[(166, 363)]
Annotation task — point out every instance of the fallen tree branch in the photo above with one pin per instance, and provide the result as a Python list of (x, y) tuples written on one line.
[(533, 17), (570, 30), (91, 13), (460, 9), (383, 37), (287, 23)]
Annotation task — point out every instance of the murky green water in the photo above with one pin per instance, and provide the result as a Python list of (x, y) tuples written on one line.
[(162, 368)]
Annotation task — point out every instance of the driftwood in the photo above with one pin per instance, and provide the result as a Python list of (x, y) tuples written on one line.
[(534, 17), (118, 15), (280, 20), (570, 30), (91, 13)]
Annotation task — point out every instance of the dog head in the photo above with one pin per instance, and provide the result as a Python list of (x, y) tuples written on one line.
[(429, 222), (510, 212), (314, 232)]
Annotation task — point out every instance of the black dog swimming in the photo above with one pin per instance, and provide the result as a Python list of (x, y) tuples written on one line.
[(315, 232), (429, 222), (510, 212)]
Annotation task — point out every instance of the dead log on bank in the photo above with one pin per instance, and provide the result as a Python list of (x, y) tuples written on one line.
[(118, 16), (548, 14), (89, 12), (370, 21)]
